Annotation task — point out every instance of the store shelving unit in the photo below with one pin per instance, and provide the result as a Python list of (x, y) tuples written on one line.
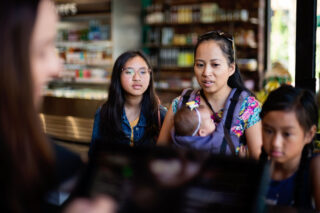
[(171, 29), (84, 43)]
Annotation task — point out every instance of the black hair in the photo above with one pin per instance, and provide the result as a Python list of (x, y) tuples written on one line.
[(185, 121), (111, 110), (228, 48), (303, 103)]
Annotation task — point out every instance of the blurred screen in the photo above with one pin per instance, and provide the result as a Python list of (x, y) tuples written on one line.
[(163, 179)]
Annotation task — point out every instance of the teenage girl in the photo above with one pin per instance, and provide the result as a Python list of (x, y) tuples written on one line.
[(289, 124), (132, 115)]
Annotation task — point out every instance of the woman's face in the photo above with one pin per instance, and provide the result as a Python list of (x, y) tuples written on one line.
[(135, 76), (283, 136), (45, 62), (211, 67)]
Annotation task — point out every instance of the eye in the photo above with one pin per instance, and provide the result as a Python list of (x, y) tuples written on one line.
[(215, 65), (143, 71), (199, 65), (267, 131), (286, 134), (128, 71)]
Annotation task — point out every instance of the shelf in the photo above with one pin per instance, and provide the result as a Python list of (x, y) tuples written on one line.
[(245, 47), (83, 65), (244, 70), (86, 16), (83, 81), (85, 44), (169, 46), (175, 69), (192, 24), (79, 65), (174, 90), (238, 47)]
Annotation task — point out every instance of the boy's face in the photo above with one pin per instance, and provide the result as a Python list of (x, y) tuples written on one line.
[(207, 124)]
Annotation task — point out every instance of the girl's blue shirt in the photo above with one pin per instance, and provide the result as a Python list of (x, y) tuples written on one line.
[(283, 192), (138, 130)]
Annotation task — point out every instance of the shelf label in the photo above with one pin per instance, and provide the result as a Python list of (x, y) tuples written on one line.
[(67, 9)]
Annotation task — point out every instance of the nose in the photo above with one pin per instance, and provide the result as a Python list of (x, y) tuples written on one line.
[(207, 71), (276, 141), (136, 76)]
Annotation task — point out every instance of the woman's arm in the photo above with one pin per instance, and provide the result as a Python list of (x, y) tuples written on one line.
[(315, 180), (165, 132), (254, 140)]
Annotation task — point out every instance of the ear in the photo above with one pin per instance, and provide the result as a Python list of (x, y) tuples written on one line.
[(310, 134), (202, 132), (232, 69)]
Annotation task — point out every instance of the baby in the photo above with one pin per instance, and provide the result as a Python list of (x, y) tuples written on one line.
[(193, 120), (193, 125)]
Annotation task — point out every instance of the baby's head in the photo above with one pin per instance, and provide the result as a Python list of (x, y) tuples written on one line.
[(196, 121)]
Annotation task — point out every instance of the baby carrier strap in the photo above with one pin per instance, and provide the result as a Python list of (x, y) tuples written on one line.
[(227, 139), (185, 96)]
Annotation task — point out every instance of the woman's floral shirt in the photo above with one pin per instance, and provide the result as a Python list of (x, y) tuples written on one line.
[(248, 116)]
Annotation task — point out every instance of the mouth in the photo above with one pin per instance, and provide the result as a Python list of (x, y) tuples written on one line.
[(136, 86), (207, 83), (276, 154)]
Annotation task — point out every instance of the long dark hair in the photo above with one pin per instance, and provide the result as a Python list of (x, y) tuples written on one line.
[(303, 103), (111, 111), (26, 157), (226, 43)]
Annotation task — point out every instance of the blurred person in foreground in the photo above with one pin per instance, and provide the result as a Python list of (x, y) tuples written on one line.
[(29, 162)]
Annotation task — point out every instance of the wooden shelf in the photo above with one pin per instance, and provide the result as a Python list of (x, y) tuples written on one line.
[(238, 47), (247, 71), (245, 47), (85, 44), (168, 46), (175, 69), (192, 24), (173, 90), (82, 81), (77, 65)]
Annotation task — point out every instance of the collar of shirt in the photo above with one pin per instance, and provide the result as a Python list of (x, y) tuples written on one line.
[(142, 120)]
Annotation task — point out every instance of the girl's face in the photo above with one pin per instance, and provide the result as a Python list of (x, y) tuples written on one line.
[(283, 137), (211, 67), (135, 76), (45, 62)]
